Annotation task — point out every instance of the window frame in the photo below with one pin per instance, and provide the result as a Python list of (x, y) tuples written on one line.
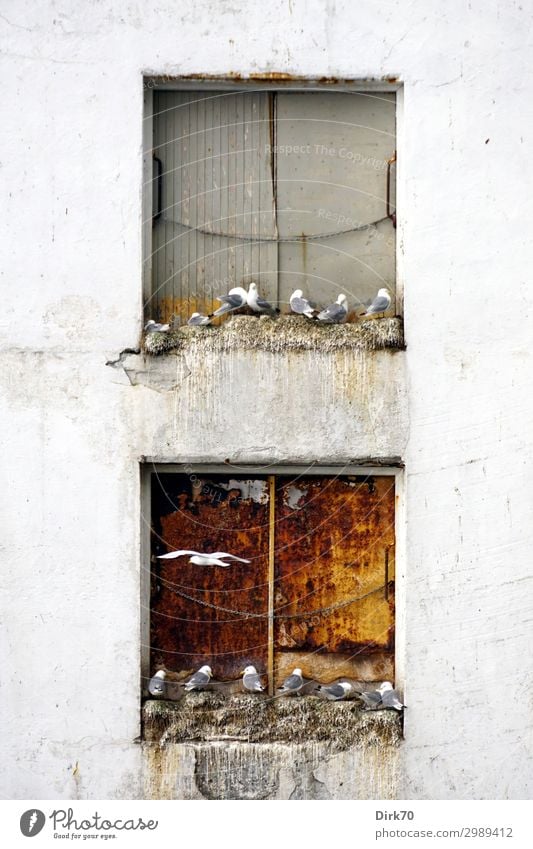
[(275, 82), (149, 467)]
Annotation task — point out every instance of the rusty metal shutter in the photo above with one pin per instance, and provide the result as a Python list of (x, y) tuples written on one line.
[(198, 614), (330, 542), (335, 543)]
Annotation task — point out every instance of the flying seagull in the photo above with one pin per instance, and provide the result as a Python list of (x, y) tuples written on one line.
[(197, 319), (157, 685), (384, 697), (301, 305), (200, 679), (336, 313), (293, 684), (380, 304), (251, 680), (335, 692), (234, 300), (258, 304), (153, 327), (213, 558)]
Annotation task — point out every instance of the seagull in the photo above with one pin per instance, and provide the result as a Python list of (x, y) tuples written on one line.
[(371, 698), (157, 685), (301, 305), (251, 680), (258, 304), (380, 304), (384, 697), (336, 313), (153, 327), (234, 300), (200, 679), (335, 692), (197, 319), (293, 684), (214, 558), (389, 696)]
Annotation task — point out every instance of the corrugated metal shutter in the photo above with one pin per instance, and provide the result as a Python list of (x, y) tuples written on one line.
[(238, 165), (331, 177), (217, 179)]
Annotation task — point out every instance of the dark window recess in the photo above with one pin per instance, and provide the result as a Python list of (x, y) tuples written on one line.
[(318, 593)]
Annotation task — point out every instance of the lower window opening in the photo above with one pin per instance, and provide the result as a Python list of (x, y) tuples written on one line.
[(316, 595)]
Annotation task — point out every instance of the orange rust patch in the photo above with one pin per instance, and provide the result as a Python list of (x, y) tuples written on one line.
[(331, 541), (190, 624)]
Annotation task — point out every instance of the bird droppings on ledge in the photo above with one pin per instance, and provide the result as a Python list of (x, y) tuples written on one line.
[(287, 333), (205, 717), (249, 747)]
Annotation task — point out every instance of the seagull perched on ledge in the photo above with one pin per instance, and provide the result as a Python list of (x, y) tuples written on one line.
[(379, 305), (258, 304), (153, 327), (214, 558), (197, 320), (336, 313), (251, 680), (384, 697), (234, 300), (293, 684), (301, 306), (335, 692), (156, 685), (200, 679)]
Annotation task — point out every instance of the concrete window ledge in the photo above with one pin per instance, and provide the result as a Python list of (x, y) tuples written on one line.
[(207, 746), (287, 333), (208, 716)]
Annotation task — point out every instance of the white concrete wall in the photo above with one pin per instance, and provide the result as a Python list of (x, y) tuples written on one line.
[(73, 428)]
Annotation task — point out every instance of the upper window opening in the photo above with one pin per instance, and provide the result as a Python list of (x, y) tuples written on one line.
[(292, 190)]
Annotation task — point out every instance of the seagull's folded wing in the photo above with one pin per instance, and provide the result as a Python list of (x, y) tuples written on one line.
[(379, 305)]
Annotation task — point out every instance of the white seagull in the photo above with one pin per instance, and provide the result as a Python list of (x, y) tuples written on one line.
[(213, 558), (335, 692), (258, 304), (200, 679), (156, 685), (153, 327), (380, 304), (293, 684), (301, 305), (251, 680), (234, 300), (384, 697), (336, 313), (389, 696), (197, 320)]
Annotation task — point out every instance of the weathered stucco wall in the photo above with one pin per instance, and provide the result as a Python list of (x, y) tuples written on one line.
[(456, 405)]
